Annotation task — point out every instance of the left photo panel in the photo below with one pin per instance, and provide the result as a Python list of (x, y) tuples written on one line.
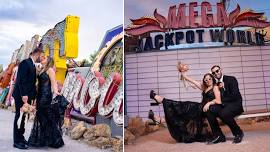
[(61, 75)]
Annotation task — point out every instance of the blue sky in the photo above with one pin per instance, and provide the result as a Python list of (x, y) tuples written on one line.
[(22, 19), (138, 8)]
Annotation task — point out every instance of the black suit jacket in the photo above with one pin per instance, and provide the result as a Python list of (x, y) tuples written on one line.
[(26, 80), (231, 94)]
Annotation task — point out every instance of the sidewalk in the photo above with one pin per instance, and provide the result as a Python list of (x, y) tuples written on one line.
[(257, 137), (6, 138)]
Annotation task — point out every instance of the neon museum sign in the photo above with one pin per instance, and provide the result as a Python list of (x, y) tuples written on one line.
[(179, 27), (94, 94), (91, 93)]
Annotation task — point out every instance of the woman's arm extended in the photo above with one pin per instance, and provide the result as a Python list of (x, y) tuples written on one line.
[(196, 83)]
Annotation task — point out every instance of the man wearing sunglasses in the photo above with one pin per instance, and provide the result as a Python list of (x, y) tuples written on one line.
[(231, 106)]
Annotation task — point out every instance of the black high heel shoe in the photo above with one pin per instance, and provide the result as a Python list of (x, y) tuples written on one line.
[(152, 96), (151, 116)]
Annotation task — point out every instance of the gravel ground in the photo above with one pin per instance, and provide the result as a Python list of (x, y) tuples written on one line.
[(6, 138), (256, 139)]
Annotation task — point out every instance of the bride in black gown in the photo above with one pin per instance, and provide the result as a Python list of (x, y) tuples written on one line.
[(46, 130), (185, 119)]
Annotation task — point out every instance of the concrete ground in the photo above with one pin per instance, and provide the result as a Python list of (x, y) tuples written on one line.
[(6, 138), (256, 139)]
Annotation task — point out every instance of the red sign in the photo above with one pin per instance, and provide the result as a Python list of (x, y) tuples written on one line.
[(178, 19)]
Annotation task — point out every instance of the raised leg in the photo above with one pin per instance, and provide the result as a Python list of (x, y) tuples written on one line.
[(155, 97)]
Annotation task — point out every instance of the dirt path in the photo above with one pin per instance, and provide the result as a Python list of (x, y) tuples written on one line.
[(257, 139)]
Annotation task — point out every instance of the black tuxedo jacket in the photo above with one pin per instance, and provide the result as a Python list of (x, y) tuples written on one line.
[(231, 93), (26, 80)]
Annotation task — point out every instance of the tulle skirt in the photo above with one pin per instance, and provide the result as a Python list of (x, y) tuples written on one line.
[(186, 121), (46, 130)]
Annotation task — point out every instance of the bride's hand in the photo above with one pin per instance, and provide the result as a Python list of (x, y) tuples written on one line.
[(206, 107), (183, 75), (33, 108)]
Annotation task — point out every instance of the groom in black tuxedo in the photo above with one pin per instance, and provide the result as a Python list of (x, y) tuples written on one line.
[(231, 106), (24, 92)]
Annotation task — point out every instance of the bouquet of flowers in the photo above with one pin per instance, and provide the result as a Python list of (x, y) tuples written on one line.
[(26, 110), (181, 67)]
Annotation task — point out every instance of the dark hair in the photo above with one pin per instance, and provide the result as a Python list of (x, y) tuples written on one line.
[(37, 50), (215, 66), (213, 79)]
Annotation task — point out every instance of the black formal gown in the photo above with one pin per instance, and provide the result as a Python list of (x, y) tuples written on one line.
[(46, 130), (186, 120)]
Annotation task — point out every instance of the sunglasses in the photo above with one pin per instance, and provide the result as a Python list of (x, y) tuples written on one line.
[(217, 71), (208, 80)]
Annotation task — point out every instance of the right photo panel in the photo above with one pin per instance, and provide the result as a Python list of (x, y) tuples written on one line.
[(196, 72)]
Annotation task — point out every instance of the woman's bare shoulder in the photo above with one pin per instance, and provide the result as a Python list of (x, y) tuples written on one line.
[(216, 87), (50, 71)]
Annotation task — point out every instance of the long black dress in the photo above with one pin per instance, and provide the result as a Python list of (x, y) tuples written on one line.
[(46, 130), (186, 120)]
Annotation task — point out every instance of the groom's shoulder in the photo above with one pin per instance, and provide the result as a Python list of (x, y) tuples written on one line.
[(24, 63), (28, 60), (229, 77)]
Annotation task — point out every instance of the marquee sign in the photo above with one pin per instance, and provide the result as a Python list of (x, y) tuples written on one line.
[(208, 26)]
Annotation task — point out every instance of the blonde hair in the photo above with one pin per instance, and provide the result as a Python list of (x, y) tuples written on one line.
[(49, 64)]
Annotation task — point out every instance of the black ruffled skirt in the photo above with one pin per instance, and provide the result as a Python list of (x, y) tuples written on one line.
[(185, 121), (46, 130)]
